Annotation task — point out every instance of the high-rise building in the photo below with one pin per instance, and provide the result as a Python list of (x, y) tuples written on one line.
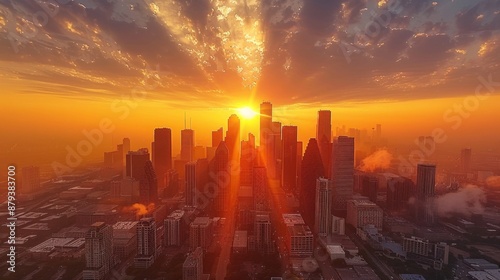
[(364, 212), (190, 191), (135, 164), (263, 234), (124, 239), (125, 150), (260, 188), (312, 169), (369, 187), (324, 138), (426, 182), (220, 176), (266, 135), (338, 225), (146, 243), (289, 174), (233, 137), (175, 228), (30, 179), (162, 154), (192, 268), (172, 183), (299, 238), (187, 144), (148, 191), (342, 173), (423, 248), (217, 137), (324, 191), (399, 191), (247, 160), (98, 251), (275, 151), (200, 233), (465, 160), (300, 152)]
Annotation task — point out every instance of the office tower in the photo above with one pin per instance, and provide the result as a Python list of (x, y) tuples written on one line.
[(426, 181), (135, 164), (465, 160), (342, 172), (324, 138), (30, 179), (175, 228), (299, 238), (148, 191), (146, 243), (262, 229), (190, 191), (187, 144), (300, 152), (124, 239), (199, 152), (172, 183), (275, 151), (364, 212), (217, 137), (162, 154), (200, 233), (424, 248), (312, 169), (338, 225), (399, 190), (192, 268), (233, 137), (260, 188), (266, 116), (369, 187), (98, 251), (219, 170), (323, 204), (247, 160), (289, 174)]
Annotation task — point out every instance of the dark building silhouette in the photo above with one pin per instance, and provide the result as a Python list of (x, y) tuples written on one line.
[(300, 153), (369, 187), (260, 188), (247, 160), (162, 154), (426, 182), (289, 170), (217, 137), (233, 137), (342, 173), (148, 192), (187, 144), (266, 116), (220, 177), (324, 138), (312, 169), (399, 191)]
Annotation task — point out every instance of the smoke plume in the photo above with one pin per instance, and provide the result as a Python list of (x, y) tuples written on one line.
[(381, 159), (493, 181), (140, 209), (467, 201)]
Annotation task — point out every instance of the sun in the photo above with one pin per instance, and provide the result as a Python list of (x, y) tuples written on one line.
[(247, 112)]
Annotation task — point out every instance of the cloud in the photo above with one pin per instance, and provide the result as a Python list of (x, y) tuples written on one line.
[(493, 181), (140, 209), (467, 200), (380, 160)]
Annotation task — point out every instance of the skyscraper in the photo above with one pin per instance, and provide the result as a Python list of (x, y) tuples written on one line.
[(98, 251), (30, 179), (192, 268), (233, 137), (200, 233), (312, 169), (275, 151), (217, 137), (426, 181), (262, 229), (148, 191), (266, 116), (260, 188), (190, 191), (289, 170), (175, 228), (187, 144), (342, 173), (162, 154), (323, 215), (247, 160), (300, 153), (219, 173), (146, 243), (324, 138)]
